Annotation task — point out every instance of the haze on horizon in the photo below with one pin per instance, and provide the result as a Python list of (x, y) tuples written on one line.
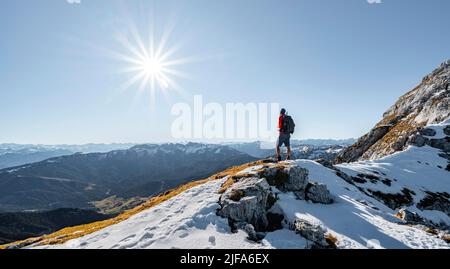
[(65, 74)]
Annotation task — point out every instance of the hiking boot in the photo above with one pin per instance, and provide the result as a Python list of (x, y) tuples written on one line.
[(288, 158)]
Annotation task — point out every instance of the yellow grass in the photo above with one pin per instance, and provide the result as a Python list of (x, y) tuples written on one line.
[(331, 239), (70, 233), (230, 181), (446, 238)]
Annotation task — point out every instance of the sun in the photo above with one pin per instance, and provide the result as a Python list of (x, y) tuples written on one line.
[(152, 65), (154, 71)]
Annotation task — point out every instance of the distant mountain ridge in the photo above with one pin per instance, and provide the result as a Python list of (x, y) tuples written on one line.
[(79, 179), (19, 154), (311, 149)]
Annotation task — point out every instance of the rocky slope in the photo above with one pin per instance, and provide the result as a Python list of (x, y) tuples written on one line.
[(428, 103)]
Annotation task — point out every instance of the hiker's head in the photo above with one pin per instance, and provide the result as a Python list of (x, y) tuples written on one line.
[(283, 111)]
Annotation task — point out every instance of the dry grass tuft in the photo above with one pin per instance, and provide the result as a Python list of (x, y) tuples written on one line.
[(331, 239), (446, 238), (432, 231), (227, 184)]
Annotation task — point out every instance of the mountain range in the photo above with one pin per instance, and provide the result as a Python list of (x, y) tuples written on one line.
[(19, 154), (75, 181)]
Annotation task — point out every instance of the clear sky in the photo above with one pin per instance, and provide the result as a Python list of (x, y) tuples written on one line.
[(336, 65)]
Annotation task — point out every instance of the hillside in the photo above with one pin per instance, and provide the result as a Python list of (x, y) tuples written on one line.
[(428, 103), (23, 225), (74, 181)]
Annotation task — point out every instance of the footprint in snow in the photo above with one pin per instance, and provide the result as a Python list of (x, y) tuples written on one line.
[(128, 238), (184, 235), (212, 240), (146, 236)]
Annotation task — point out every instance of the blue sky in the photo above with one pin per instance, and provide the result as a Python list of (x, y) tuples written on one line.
[(336, 65)]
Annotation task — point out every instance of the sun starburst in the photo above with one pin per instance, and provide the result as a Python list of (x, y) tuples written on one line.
[(152, 65)]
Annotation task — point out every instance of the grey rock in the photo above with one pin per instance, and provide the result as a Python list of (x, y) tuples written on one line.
[(310, 231), (252, 204), (318, 193), (399, 144), (417, 140), (326, 163), (291, 178), (301, 195), (427, 132), (250, 230), (442, 144), (297, 180), (447, 130), (275, 217)]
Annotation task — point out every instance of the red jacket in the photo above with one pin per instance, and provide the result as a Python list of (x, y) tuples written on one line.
[(280, 122)]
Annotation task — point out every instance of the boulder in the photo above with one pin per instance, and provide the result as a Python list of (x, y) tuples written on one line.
[(247, 201), (427, 132), (275, 217), (442, 144), (310, 231), (290, 178), (417, 140), (326, 163), (318, 193), (447, 130), (297, 178)]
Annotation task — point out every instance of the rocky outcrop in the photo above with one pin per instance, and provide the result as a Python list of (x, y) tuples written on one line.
[(428, 103), (426, 136), (354, 152), (247, 201), (435, 201), (251, 199)]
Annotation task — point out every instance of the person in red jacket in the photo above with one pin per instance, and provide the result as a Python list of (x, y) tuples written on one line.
[(284, 136)]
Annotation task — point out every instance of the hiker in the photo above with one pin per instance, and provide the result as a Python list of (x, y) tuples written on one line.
[(286, 127)]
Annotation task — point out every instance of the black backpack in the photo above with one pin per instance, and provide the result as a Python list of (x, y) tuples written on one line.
[(288, 124)]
